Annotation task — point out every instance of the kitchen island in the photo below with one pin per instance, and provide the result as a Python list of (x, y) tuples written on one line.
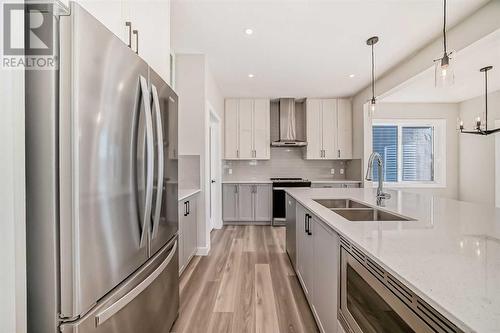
[(447, 252)]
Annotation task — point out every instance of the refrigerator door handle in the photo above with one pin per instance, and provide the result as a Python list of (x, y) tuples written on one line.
[(159, 189), (108, 312), (149, 160)]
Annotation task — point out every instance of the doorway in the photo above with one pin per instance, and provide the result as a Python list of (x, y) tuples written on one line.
[(215, 171)]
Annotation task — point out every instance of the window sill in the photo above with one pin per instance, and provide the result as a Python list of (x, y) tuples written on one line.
[(410, 185)]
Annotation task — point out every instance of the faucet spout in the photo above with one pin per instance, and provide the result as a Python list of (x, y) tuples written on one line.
[(381, 195)]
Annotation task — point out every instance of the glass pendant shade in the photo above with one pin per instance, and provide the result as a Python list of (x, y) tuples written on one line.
[(373, 107), (444, 73)]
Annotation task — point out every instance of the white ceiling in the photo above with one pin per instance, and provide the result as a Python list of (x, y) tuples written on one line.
[(305, 47), (469, 82)]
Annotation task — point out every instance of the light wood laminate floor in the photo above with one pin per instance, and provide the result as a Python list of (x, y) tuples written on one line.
[(245, 284)]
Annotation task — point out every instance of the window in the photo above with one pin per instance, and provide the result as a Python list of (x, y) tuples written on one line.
[(411, 150)]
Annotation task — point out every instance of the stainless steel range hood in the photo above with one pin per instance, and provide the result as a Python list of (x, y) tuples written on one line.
[(287, 125)]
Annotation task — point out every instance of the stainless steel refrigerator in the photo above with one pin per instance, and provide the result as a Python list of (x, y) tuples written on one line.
[(101, 143)]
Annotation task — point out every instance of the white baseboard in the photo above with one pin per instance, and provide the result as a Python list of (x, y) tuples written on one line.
[(203, 251)]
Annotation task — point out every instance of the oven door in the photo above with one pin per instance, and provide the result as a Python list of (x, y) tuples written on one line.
[(279, 206), (368, 306)]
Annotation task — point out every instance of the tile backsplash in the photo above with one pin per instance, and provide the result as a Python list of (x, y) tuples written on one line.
[(287, 162)]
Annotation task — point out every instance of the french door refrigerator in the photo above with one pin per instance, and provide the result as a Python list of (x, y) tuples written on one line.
[(101, 143)]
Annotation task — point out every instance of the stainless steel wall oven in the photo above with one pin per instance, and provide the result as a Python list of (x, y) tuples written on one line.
[(373, 301)]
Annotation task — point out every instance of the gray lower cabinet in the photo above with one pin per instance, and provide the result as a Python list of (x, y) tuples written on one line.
[(230, 202), (187, 230), (263, 203), (291, 229), (305, 250), (246, 202), (325, 280), (317, 267)]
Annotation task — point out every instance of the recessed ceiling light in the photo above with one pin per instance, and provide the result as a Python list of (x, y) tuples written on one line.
[(251, 76), (248, 31), (352, 75)]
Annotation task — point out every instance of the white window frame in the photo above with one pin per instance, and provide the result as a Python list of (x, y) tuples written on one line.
[(439, 150)]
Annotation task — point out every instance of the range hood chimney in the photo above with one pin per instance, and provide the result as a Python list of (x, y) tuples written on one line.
[(287, 125)]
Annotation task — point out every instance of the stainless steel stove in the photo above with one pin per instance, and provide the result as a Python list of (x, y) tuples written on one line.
[(279, 204)]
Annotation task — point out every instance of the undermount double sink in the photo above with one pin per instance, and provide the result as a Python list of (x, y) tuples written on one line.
[(357, 211)]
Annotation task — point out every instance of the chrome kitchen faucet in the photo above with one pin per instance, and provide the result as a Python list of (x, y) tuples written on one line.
[(381, 195)]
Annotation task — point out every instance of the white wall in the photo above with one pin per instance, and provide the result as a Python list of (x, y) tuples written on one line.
[(477, 152), (197, 89), (448, 112), (12, 204), (473, 28)]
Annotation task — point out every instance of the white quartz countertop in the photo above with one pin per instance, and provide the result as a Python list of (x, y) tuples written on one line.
[(268, 181), (449, 256), (186, 193), (248, 181)]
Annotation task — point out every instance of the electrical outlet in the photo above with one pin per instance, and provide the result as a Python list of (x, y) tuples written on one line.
[(341, 171), (332, 171), (230, 171)]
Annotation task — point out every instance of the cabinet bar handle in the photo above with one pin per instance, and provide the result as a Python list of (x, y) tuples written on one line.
[(309, 225), (128, 24), (136, 33)]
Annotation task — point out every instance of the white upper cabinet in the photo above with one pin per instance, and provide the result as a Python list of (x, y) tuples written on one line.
[(344, 116), (245, 134), (110, 13), (329, 129), (247, 129), (261, 130), (314, 129), (231, 122), (151, 21)]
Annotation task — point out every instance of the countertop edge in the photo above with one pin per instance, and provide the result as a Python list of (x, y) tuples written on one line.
[(315, 181), (247, 182), (184, 194)]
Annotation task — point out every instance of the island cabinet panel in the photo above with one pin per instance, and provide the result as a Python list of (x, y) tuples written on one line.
[(305, 251), (325, 279), (317, 250)]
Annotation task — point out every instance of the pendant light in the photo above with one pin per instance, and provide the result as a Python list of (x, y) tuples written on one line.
[(479, 128), (444, 75), (371, 42)]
